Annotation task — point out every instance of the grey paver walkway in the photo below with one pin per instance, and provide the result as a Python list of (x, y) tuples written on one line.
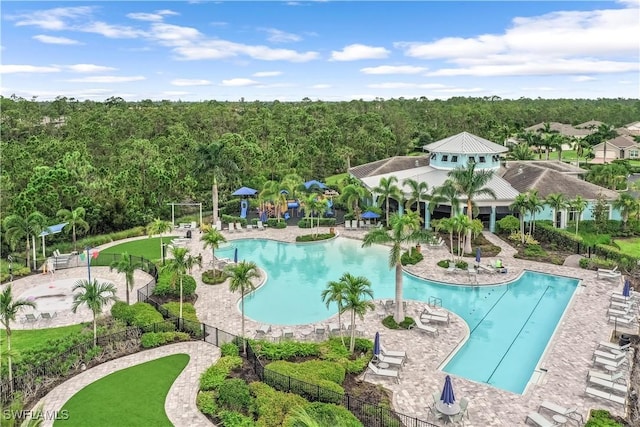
[(180, 405)]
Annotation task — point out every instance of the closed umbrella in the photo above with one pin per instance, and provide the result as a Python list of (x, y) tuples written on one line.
[(447, 397), (626, 289), (376, 345), (235, 255), (478, 256)]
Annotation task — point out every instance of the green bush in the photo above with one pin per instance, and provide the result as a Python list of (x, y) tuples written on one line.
[(390, 323), (93, 241), (284, 350), (462, 265), (156, 339), (169, 285), (206, 403), (214, 277), (233, 219), (327, 375), (229, 349), (314, 238), (533, 251), (444, 263), (411, 257), (357, 366), (508, 224), (272, 406), (595, 263), (215, 375), (274, 223), (190, 321), (122, 311), (312, 222), (602, 418), (234, 419), (328, 414), (234, 394), (141, 315)]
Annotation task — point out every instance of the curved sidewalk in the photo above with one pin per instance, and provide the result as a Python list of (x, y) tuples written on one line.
[(180, 404)]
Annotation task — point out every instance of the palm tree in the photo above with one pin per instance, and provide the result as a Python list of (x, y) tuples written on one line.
[(335, 292), (178, 265), (212, 158), (387, 190), (213, 238), (358, 296), (463, 226), (472, 184), (520, 205), (546, 139), (126, 266), (95, 296), (242, 275), (272, 191), (535, 205), (520, 152), (446, 193), (314, 204), (418, 191), (192, 261), (578, 205), (557, 202), (404, 229), (448, 226), (23, 227), (160, 227), (75, 219), (626, 204), (351, 196), (8, 311)]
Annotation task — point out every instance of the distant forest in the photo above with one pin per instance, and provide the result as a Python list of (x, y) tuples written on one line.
[(124, 161)]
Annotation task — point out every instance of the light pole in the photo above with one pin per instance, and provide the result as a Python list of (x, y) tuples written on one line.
[(164, 245)]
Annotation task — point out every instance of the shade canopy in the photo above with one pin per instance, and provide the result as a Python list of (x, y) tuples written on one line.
[(376, 344), (626, 289), (53, 229), (314, 183), (447, 396), (245, 191), (370, 215)]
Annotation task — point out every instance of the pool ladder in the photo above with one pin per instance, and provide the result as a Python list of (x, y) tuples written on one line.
[(435, 302)]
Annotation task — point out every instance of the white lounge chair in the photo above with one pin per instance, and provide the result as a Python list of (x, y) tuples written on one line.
[(625, 321), (608, 274), (486, 268), (452, 269), (421, 326), (609, 355), (618, 377), (612, 346), (219, 225), (393, 353), (605, 395), (397, 361), (231, 228), (354, 224), (539, 420), (435, 318), (260, 226), (561, 410), (622, 305), (392, 373), (606, 270), (617, 312), (239, 227), (608, 385), (609, 362)]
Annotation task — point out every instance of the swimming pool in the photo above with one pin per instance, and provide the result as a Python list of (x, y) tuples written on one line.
[(510, 325)]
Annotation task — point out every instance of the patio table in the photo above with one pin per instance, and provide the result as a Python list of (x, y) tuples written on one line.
[(448, 410)]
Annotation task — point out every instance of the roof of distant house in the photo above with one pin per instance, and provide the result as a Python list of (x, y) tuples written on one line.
[(392, 164), (561, 128), (590, 124), (465, 142)]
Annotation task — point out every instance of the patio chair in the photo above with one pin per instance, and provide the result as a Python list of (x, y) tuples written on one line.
[(354, 224), (396, 361), (263, 329), (334, 329), (425, 328), (435, 318), (320, 330), (30, 318), (452, 269), (609, 355), (464, 404), (260, 226), (625, 321), (539, 420), (391, 373), (614, 364), (606, 395), (618, 377), (48, 316), (561, 410), (287, 334), (219, 225), (393, 353), (612, 346), (239, 227), (486, 269), (231, 228), (608, 274), (608, 385)]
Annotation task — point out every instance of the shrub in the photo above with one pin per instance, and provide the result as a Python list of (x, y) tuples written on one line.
[(206, 403), (229, 349), (444, 263), (534, 251), (462, 265), (215, 375), (357, 366), (141, 315), (272, 405), (274, 223), (190, 321), (314, 238), (508, 224), (234, 394), (327, 375), (156, 339), (169, 285), (528, 239), (601, 418), (214, 277), (284, 350), (312, 222), (122, 311), (233, 219), (328, 414), (234, 419), (411, 257), (390, 323)]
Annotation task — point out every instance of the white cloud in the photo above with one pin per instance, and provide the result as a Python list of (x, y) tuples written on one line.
[(141, 16), (10, 69), (321, 86), (267, 74), (112, 31), (238, 82), (355, 52), (279, 36), (219, 24), (55, 40), (583, 78), (174, 35), (219, 49), (52, 19), (89, 68), (190, 82), (107, 79), (393, 69)]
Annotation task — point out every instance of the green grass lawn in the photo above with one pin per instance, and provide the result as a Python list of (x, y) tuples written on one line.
[(147, 248), (131, 397), (25, 339), (629, 246), (335, 179)]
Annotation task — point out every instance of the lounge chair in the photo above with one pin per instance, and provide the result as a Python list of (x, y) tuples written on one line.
[(421, 326), (618, 377), (219, 225), (608, 385), (608, 274), (609, 362), (231, 228), (320, 330), (30, 318), (393, 353), (354, 224), (260, 226), (397, 361), (622, 305), (539, 420), (487, 269), (452, 269), (392, 373), (263, 329), (334, 329), (606, 270), (605, 395), (48, 316), (609, 355), (435, 318), (561, 410), (625, 321), (617, 296), (612, 346), (287, 334), (239, 227)]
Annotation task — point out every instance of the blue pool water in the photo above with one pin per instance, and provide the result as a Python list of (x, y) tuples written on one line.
[(510, 324)]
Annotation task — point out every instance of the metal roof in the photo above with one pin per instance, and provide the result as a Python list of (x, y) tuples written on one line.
[(465, 143)]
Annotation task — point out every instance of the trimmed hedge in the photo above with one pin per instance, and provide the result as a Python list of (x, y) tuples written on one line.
[(233, 394), (214, 376), (274, 223), (411, 257), (191, 323), (214, 277), (312, 222), (141, 314), (284, 350), (156, 339), (328, 414), (94, 241), (169, 285), (233, 219), (328, 375), (314, 238), (206, 403), (272, 406)]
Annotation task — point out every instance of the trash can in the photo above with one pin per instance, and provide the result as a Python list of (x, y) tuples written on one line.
[(188, 234), (624, 340)]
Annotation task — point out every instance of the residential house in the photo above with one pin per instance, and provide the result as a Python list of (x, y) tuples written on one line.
[(620, 147)]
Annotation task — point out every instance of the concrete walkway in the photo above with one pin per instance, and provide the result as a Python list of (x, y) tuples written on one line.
[(180, 404)]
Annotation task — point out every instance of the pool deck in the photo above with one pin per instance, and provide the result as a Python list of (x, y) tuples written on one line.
[(564, 366)]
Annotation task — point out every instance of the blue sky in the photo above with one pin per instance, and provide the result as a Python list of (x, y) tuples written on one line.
[(321, 50)]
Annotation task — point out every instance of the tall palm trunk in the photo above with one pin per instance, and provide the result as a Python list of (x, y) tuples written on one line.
[(244, 345), (214, 196), (352, 342), (467, 243), (399, 314), (180, 316), (73, 231), (9, 359), (28, 251), (95, 329), (340, 323)]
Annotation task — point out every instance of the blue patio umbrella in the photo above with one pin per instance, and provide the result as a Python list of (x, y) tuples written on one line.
[(245, 191), (447, 397), (370, 215), (235, 255), (626, 289), (314, 183), (376, 345), (478, 256)]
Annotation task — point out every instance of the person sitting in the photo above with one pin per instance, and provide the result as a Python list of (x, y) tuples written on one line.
[(499, 263)]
